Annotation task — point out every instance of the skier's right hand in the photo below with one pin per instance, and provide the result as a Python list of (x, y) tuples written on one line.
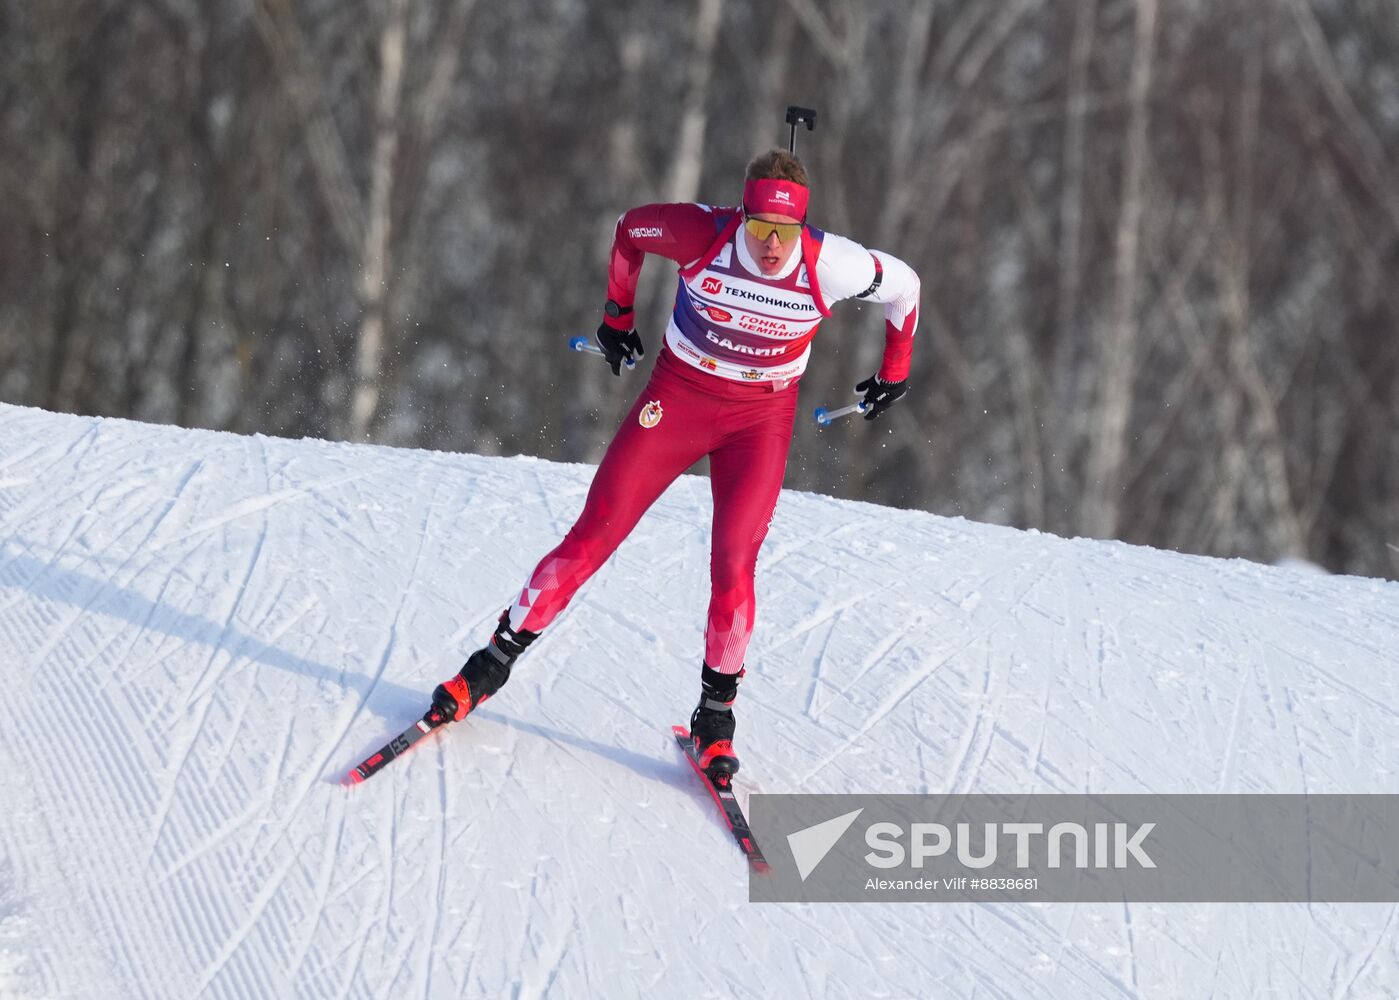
[(618, 345)]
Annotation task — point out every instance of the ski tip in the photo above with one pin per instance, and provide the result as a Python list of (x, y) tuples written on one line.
[(353, 778)]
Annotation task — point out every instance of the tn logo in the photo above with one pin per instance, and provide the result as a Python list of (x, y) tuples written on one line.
[(712, 286)]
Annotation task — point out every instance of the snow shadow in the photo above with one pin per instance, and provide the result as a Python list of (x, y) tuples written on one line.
[(655, 769), (91, 595)]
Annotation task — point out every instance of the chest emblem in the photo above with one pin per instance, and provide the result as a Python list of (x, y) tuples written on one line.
[(651, 414)]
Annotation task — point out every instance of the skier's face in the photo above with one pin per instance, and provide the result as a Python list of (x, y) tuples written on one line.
[(771, 253)]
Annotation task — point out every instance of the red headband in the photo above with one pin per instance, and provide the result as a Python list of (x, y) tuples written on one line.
[(774, 197)]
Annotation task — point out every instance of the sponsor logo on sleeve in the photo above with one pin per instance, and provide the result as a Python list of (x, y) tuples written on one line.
[(641, 231)]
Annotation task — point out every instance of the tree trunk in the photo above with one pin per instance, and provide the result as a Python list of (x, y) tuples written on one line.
[(1066, 377), (1108, 449), (684, 180), (375, 253)]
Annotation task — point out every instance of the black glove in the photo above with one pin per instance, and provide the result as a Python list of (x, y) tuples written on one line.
[(879, 395), (618, 345)]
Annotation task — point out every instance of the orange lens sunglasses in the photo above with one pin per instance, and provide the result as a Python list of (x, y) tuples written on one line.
[(760, 230)]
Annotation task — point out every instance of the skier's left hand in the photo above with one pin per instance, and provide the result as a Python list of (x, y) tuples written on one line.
[(879, 395)]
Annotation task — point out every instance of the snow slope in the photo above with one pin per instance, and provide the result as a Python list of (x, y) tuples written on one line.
[(200, 633)]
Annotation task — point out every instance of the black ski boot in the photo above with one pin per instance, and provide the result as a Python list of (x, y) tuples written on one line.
[(482, 675), (712, 725)]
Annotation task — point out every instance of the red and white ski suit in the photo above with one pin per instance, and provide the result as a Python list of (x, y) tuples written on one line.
[(725, 386)]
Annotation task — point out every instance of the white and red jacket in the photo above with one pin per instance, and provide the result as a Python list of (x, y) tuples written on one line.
[(732, 321)]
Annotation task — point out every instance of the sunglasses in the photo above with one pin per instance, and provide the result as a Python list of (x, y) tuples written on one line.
[(760, 230)]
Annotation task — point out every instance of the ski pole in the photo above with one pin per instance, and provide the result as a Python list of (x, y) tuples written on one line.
[(588, 347), (825, 416)]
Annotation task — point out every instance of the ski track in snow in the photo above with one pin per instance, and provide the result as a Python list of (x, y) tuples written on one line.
[(200, 633)]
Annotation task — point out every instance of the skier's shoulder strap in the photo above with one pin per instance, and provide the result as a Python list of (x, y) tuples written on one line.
[(726, 223), (812, 238)]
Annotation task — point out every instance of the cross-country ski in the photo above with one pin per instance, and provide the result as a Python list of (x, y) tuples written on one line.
[(721, 789)]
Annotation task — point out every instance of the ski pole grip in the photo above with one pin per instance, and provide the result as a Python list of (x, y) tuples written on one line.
[(586, 345), (825, 416)]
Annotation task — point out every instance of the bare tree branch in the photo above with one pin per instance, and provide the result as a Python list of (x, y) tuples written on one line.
[(1376, 170), (276, 24)]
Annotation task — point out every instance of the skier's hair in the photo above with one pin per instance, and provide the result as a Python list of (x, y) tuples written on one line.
[(777, 165)]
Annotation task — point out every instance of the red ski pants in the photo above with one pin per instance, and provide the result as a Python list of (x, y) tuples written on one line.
[(681, 416)]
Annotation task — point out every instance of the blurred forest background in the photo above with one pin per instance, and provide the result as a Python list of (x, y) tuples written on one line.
[(1158, 239)]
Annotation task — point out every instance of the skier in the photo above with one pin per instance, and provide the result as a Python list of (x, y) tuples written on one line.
[(754, 283)]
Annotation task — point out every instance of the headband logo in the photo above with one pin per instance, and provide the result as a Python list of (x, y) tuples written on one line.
[(782, 196)]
